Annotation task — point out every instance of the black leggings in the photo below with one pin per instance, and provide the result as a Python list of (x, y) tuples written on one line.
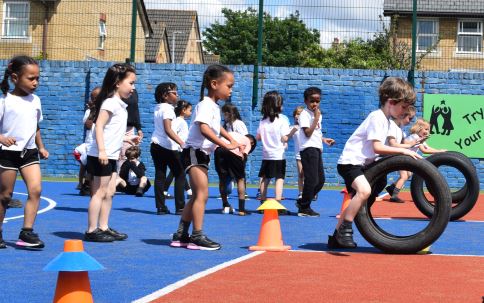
[(312, 163), (163, 158)]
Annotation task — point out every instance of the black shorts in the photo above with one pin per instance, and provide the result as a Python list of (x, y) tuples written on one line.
[(194, 157), (229, 164), (15, 160), (96, 169), (350, 172), (273, 169)]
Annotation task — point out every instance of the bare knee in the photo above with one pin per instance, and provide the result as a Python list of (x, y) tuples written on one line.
[(34, 192), (364, 193)]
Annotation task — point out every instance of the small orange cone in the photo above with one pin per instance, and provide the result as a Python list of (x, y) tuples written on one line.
[(73, 280), (346, 201), (270, 236)]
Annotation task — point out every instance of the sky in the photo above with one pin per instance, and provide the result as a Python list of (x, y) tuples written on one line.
[(342, 19)]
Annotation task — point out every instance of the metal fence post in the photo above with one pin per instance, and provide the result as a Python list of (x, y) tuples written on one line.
[(133, 31), (411, 72), (255, 82)]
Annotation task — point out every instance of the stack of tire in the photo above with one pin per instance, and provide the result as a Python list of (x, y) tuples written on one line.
[(439, 212)]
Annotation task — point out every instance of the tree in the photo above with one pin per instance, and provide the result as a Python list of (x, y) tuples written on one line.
[(285, 42)]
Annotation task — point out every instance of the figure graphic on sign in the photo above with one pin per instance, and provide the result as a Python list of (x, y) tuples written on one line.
[(436, 112), (446, 113)]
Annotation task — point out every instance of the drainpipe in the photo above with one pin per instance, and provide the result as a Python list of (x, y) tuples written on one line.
[(45, 30)]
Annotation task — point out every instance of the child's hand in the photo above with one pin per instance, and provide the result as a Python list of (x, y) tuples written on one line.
[(134, 140), (8, 141), (412, 154), (328, 141), (317, 113), (43, 153), (103, 158), (232, 145)]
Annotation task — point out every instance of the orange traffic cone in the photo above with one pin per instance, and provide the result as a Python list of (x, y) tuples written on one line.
[(270, 237), (73, 281), (346, 201)]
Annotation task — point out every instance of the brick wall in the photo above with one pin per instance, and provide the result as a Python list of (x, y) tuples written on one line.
[(348, 96)]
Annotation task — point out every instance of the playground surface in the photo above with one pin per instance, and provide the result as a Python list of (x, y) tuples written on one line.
[(144, 268)]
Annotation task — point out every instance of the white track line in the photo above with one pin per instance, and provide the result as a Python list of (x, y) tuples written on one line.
[(51, 205), (192, 278)]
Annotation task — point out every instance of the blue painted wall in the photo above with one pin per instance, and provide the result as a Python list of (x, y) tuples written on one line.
[(348, 96)]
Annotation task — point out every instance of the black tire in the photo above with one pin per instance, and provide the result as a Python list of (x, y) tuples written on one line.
[(459, 195), (471, 188), (388, 242)]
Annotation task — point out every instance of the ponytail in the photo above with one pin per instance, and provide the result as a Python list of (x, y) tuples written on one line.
[(4, 86)]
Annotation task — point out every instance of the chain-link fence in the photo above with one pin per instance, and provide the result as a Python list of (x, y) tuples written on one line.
[(371, 34)]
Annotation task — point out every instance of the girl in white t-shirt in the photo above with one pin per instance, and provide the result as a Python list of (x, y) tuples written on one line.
[(203, 137), (21, 143), (183, 111), (295, 129), (419, 132), (273, 131), (165, 145), (103, 152)]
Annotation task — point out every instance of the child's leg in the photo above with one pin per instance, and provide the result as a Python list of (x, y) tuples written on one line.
[(7, 182), (241, 193), (279, 187), (168, 181), (363, 191), (404, 175), (195, 209), (107, 203), (99, 188), (143, 181), (222, 182), (300, 176), (32, 178), (120, 182), (264, 184), (82, 172)]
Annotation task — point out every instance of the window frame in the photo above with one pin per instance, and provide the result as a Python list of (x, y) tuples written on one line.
[(460, 34), (4, 34), (102, 34), (436, 34)]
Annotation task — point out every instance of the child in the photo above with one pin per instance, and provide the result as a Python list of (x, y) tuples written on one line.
[(203, 136), (416, 141), (300, 175), (311, 148), (132, 179), (232, 123), (21, 143), (103, 152), (80, 152), (361, 149), (273, 131), (231, 164), (183, 111), (165, 144)]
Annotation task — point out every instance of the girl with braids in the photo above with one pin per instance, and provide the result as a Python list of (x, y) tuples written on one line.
[(103, 152), (21, 143), (203, 137)]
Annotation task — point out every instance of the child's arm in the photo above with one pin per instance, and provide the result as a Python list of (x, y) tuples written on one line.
[(210, 135), (393, 143), (101, 121), (424, 148), (44, 154), (226, 135), (308, 131), (293, 131), (137, 170), (171, 134), (383, 149)]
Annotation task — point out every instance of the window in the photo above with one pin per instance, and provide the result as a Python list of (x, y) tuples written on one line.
[(16, 19), (427, 34), (469, 36), (102, 34)]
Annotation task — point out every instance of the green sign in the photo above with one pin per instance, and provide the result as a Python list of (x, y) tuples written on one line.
[(456, 123)]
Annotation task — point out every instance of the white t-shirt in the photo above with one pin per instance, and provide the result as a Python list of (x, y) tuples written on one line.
[(358, 149), (206, 111), (88, 138), (306, 119), (295, 137), (164, 111), (19, 117), (238, 126), (114, 129), (180, 126), (271, 134), (395, 132)]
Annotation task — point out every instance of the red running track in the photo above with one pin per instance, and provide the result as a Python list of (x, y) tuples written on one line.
[(340, 277)]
